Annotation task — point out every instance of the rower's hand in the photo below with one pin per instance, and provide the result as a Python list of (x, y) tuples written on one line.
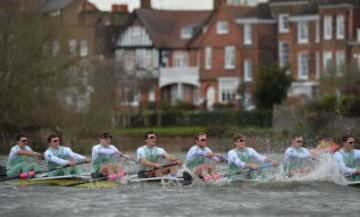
[(357, 172), (38, 156), (157, 165), (87, 160), (178, 162), (72, 163)]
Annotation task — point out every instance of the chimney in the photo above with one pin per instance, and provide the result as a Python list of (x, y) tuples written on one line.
[(119, 8), (218, 3), (145, 4)]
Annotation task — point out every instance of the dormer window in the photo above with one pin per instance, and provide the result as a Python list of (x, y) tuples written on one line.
[(186, 32), (55, 13), (222, 27)]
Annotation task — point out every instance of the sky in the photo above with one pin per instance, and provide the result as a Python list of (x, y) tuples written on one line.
[(160, 4)]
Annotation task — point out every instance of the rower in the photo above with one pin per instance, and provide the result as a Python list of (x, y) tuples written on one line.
[(241, 157), (198, 156), (295, 157), (105, 158), (19, 154), (57, 156), (347, 157), (149, 156)]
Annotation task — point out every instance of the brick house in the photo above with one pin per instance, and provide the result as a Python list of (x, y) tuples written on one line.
[(315, 38), (154, 45)]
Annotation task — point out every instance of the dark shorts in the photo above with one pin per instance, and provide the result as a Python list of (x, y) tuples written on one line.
[(142, 174), (97, 174)]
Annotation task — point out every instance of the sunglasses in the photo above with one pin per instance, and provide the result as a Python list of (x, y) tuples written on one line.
[(56, 140), (203, 140), (299, 141), (24, 140), (152, 137), (351, 142), (241, 140)]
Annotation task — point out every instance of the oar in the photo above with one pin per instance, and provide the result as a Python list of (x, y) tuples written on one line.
[(264, 166), (42, 171), (153, 169)]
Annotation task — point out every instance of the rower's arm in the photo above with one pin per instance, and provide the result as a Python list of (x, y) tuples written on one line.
[(170, 157), (75, 156), (256, 155), (52, 158), (341, 165), (233, 158), (148, 163)]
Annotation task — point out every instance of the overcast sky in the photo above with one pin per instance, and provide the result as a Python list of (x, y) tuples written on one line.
[(163, 4)]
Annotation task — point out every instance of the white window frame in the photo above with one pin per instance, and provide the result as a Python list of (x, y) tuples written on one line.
[(73, 47), (340, 62), (55, 48), (283, 20), (303, 32), (317, 31), (84, 49), (229, 57), (328, 28), (180, 59), (327, 56), (248, 70), (248, 33), (303, 66), (283, 57), (222, 27), (358, 34), (340, 26), (208, 57), (228, 89), (186, 32), (317, 62)]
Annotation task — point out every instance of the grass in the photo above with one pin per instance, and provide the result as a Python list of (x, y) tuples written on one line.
[(186, 131)]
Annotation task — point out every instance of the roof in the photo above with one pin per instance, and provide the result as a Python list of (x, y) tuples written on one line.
[(164, 27), (54, 5), (261, 11)]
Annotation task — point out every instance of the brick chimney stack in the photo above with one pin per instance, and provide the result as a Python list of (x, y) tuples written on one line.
[(119, 8), (218, 3), (145, 4)]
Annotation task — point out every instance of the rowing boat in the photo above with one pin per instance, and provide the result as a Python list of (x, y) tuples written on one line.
[(88, 182)]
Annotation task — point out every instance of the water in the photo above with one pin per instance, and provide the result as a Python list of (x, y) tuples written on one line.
[(309, 196)]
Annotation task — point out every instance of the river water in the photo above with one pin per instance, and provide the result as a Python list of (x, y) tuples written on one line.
[(304, 196)]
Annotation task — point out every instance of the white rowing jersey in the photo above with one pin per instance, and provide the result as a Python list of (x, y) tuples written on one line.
[(292, 153), (150, 154), (100, 150), (61, 155), (197, 151), (14, 151), (240, 157), (346, 161)]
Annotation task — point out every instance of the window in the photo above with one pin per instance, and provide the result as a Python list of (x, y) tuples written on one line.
[(303, 32), (327, 62), (228, 88), (205, 29), (55, 48), (180, 59), (283, 23), (222, 27), (72, 47), (328, 28), (83, 48), (303, 66), (317, 60), (358, 34), (317, 31), (229, 57), (340, 62), (340, 27), (248, 70), (283, 54), (247, 34), (186, 32), (208, 58)]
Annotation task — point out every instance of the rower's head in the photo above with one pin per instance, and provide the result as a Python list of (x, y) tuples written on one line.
[(348, 142), (297, 141), (54, 141), (200, 139), (105, 138), (21, 140), (239, 141), (150, 138)]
